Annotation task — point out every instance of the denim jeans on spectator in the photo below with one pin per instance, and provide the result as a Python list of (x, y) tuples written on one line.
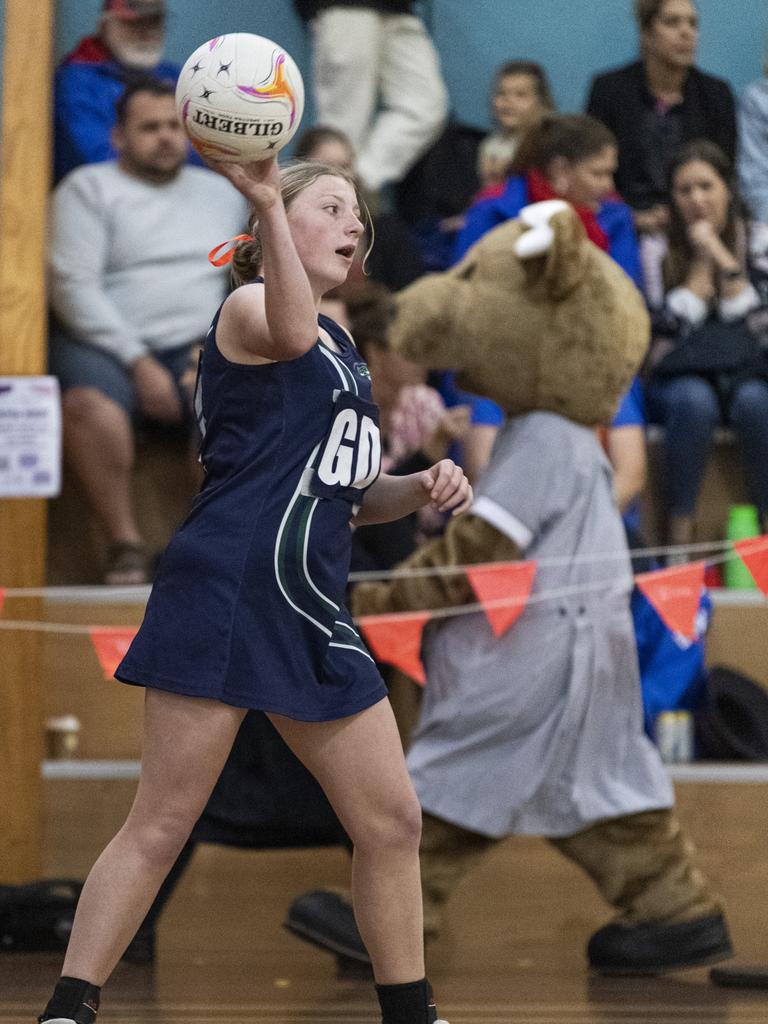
[(689, 410)]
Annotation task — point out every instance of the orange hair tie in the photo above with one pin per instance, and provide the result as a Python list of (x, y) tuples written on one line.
[(219, 261)]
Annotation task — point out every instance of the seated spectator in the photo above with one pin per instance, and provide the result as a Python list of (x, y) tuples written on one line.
[(463, 164), (415, 426), (327, 146), (434, 194), (626, 450), (376, 78), (706, 365), (520, 97), (753, 146), (127, 44), (566, 156), (571, 157), (485, 420), (624, 442), (672, 667), (394, 261), (658, 102), (132, 293)]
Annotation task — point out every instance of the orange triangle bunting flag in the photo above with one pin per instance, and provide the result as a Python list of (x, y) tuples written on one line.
[(675, 594), (754, 554), (111, 644), (508, 582), (396, 639)]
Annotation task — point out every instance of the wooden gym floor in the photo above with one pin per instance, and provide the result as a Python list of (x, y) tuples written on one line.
[(511, 953)]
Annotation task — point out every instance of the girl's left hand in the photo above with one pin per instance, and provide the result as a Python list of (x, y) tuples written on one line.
[(447, 487)]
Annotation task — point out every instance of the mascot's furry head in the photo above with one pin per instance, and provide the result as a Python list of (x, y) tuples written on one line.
[(535, 317)]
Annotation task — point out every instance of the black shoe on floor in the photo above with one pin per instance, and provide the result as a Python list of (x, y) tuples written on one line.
[(142, 947), (326, 919), (656, 947)]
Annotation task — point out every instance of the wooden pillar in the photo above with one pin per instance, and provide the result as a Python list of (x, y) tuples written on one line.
[(25, 160)]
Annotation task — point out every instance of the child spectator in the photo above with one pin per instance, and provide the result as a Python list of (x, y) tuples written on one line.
[(415, 425), (464, 165), (394, 261), (521, 95)]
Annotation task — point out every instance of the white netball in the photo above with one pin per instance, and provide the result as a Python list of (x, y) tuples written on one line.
[(240, 98)]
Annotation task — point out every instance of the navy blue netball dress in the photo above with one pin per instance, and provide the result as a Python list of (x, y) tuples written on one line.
[(247, 605)]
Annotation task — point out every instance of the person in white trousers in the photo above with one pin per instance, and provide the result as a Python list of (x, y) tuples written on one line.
[(377, 78)]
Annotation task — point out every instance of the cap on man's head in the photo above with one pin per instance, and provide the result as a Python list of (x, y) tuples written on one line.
[(134, 10)]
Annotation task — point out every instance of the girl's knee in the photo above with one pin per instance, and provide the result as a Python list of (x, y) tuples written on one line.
[(412, 823), (398, 827), (407, 823), (159, 842)]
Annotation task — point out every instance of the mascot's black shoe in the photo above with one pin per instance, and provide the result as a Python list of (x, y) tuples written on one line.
[(326, 919), (656, 947), (142, 947)]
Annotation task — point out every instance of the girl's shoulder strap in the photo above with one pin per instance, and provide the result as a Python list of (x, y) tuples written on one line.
[(210, 348), (337, 332)]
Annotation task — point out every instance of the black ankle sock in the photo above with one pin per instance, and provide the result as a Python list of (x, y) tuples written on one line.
[(410, 1003), (73, 999)]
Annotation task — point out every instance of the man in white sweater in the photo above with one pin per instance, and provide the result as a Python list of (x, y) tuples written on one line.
[(132, 295)]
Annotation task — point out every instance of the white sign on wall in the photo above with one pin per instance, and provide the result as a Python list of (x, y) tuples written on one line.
[(30, 437)]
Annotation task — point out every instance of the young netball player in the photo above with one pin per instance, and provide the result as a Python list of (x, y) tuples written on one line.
[(246, 610)]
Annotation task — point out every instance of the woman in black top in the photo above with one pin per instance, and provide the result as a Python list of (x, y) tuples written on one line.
[(657, 103)]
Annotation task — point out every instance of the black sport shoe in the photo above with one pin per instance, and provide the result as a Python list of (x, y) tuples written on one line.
[(85, 1014), (656, 947), (326, 919)]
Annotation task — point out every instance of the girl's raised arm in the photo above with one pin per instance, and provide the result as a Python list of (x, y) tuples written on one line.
[(277, 321)]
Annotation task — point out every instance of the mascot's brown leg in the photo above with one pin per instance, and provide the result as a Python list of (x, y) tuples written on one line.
[(448, 852), (325, 918), (668, 917)]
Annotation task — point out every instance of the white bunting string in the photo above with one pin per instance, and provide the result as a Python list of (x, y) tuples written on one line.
[(122, 594), (558, 594)]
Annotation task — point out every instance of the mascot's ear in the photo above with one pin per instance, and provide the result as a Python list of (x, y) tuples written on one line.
[(555, 239)]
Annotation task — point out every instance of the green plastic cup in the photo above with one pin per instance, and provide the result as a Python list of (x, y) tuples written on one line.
[(743, 522)]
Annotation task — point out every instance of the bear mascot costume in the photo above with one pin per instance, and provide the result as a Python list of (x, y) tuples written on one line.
[(539, 731)]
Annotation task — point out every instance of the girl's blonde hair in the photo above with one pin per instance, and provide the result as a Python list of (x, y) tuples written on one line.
[(294, 179)]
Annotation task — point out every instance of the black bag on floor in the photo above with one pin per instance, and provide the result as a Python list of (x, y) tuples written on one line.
[(732, 724), (37, 916)]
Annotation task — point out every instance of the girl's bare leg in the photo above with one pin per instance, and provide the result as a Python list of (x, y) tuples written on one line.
[(359, 763), (186, 742)]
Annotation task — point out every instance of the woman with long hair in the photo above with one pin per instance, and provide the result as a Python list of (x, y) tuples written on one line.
[(706, 364), (564, 156)]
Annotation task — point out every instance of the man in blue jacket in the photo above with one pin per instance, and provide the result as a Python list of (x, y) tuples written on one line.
[(128, 44)]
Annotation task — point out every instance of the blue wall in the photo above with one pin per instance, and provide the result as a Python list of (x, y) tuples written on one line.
[(571, 38)]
